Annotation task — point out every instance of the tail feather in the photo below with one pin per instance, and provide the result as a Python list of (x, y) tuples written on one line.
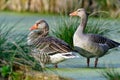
[(113, 44)]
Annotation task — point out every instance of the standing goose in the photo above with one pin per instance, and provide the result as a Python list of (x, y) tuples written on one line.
[(90, 45), (47, 49)]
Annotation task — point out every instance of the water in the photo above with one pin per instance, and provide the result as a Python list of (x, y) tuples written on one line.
[(74, 68)]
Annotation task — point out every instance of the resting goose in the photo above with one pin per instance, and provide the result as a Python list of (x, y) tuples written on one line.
[(47, 49), (90, 45)]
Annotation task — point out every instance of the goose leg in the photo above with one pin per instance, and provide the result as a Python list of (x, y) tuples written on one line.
[(88, 62), (96, 61), (56, 66)]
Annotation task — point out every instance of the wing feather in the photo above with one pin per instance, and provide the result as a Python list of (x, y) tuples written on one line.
[(52, 45), (103, 40)]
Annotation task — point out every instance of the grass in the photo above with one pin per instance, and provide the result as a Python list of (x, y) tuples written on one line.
[(67, 26), (14, 54), (111, 74), (65, 30)]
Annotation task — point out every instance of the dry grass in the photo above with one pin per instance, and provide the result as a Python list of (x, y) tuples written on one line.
[(111, 7)]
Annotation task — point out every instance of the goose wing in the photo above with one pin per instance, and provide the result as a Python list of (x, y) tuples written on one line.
[(103, 40), (51, 45)]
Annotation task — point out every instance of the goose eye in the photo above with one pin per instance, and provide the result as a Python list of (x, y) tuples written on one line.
[(42, 25)]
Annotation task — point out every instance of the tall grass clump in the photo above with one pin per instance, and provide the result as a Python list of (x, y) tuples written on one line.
[(111, 74), (14, 55), (66, 27), (65, 30)]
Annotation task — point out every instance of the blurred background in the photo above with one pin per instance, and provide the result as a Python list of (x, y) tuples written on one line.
[(109, 8)]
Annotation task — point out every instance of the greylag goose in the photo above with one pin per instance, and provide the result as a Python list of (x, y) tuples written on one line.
[(47, 49), (90, 45)]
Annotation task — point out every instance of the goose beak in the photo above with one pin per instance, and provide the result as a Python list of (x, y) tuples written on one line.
[(33, 27), (73, 13)]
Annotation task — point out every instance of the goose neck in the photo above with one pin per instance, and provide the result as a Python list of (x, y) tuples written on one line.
[(33, 36), (82, 25)]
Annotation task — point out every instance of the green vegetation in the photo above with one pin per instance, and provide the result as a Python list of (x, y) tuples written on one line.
[(111, 74), (14, 54), (65, 30)]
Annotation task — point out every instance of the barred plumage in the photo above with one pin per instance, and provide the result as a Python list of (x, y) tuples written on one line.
[(47, 49), (42, 57)]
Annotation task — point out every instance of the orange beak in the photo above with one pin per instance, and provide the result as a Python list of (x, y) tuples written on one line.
[(33, 27), (73, 13)]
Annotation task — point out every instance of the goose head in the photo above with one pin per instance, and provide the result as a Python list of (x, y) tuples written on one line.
[(38, 30), (79, 12), (40, 26)]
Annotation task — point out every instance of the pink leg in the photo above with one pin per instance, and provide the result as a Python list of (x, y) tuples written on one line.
[(88, 62), (56, 66), (96, 61)]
